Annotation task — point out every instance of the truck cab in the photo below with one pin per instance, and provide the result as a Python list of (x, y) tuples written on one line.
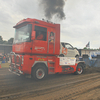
[(27, 41), (67, 50)]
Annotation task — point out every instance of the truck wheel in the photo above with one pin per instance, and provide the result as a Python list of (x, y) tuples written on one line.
[(79, 69), (39, 73)]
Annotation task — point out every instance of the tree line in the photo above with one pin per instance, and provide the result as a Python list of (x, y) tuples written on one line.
[(10, 41)]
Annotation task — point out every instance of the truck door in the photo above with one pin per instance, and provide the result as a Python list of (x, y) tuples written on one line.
[(67, 50), (70, 50), (39, 45)]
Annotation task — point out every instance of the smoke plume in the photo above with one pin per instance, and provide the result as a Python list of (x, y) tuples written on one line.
[(53, 8)]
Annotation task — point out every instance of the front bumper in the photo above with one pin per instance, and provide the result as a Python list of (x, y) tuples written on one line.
[(15, 65), (15, 71)]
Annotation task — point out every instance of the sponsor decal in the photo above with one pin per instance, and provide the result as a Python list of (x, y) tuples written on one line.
[(67, 61), (40, 59), (50, 60), (64, 51), (39, 48)]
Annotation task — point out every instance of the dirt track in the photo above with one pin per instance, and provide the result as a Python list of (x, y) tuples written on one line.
[(54, 87)]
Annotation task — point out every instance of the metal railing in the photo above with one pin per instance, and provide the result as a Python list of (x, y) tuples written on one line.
[(15, 59)]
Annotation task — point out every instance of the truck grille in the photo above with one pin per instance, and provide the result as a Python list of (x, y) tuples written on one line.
[(15, 59)]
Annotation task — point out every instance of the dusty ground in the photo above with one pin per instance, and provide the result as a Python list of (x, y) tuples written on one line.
[(54, 87), (89, 90)]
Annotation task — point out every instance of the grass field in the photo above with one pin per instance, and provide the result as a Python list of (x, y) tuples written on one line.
[(4, 65)]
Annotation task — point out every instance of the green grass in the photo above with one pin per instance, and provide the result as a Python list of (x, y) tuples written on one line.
[(4, 65)]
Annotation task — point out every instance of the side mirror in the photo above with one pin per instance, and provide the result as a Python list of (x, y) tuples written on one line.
[(33, 35)]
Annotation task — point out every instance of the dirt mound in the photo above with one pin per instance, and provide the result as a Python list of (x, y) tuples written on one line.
[(88, 70)]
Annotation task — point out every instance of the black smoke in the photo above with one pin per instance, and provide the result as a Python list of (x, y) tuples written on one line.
[(53, 8)]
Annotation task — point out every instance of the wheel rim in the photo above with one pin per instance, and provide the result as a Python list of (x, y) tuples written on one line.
[(40, 73), (79, 70)]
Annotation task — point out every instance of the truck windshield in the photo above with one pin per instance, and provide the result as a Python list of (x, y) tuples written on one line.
[(23, 34)]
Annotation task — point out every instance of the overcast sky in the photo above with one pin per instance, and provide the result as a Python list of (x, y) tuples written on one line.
[(82, 23)]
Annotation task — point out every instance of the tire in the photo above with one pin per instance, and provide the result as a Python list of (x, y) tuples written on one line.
[(61, 55), (79, 69), (77, 57), (39, 73)]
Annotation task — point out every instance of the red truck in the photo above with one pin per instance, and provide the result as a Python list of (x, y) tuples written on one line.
[(37, 50)]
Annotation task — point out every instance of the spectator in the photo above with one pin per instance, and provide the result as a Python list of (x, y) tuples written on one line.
[(40, 36), (6, 58), (51, 38)]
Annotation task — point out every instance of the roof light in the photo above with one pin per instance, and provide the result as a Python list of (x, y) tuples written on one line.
[(37, 22)]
